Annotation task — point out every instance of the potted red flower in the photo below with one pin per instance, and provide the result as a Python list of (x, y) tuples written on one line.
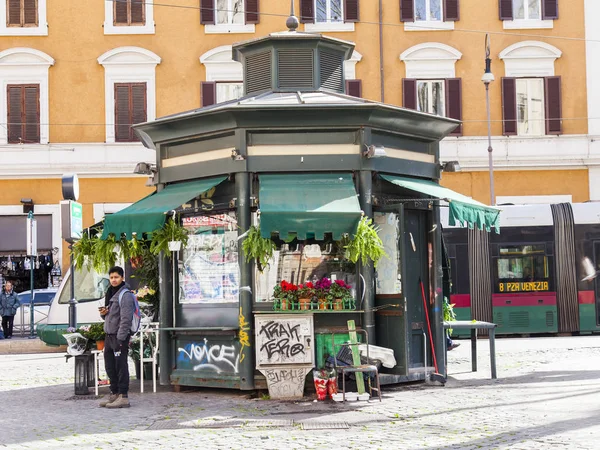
[(340, 291), (306, 292)]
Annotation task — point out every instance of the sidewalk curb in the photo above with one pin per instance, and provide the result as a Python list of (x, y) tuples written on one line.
[(17, 346)]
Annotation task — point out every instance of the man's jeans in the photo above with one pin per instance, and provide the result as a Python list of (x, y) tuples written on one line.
[(115, 363)]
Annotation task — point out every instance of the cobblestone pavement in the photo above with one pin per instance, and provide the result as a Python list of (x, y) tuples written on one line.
[(547, 395)]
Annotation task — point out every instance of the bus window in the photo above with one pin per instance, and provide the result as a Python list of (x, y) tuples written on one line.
[(89, 285), (522, 268)]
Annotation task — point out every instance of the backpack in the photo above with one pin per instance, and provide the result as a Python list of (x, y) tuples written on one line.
[(137, 314)]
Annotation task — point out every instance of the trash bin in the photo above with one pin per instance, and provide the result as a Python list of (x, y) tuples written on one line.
[(90, 370), (81, 374)]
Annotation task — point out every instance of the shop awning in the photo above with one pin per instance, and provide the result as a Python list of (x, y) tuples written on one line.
[(148, 214), (463, 209), (306, 204)]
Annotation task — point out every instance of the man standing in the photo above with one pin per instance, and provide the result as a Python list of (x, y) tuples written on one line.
[(118, 317), (9, 303)]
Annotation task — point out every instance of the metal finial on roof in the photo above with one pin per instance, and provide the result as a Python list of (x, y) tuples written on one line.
[(292, 22)]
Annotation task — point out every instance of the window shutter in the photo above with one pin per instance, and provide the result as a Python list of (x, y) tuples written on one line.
[(30, 14), (137, 12), (451, 10), (506, 9), (207, 12), (138, 107), (409, 93), (351, 11), (354, 88), (208, 92), (15, 112), (32, 114), (509, 106), (120, 13), (14, 12), (122, 113), (252, 15), (407, 11), (454, 102), (553, 105), (549, 9), (307, 14)]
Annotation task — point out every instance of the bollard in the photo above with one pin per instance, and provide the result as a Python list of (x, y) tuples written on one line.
[(81, 372)]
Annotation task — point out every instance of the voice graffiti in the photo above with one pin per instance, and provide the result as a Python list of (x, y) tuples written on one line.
[(217, 357)]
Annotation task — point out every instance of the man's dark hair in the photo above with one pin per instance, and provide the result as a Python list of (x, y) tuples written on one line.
[(117, 269)]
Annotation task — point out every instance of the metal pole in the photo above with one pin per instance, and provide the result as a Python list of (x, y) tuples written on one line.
[(381, 67), (367, 270), (31, 281), (490, 149), (165, 309), (246, 317), (72, 301)]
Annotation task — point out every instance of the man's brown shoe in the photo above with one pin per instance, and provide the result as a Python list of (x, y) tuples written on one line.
[(110, 399), (120, 402)]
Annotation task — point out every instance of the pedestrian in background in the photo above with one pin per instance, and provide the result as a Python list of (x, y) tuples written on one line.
[(118, 318), (9, 303)]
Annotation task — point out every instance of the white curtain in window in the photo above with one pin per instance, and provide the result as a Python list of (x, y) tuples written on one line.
[(428, 10), (229, 91), (530, 107), (230, 11), (329, 11)]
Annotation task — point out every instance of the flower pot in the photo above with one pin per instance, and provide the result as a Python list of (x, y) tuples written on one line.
[(100, 345), (284, 304), (323, 304), (338, 304), (174, 246), (304, 304)]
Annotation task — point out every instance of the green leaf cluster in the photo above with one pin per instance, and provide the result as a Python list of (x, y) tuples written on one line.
[(258, 248), (171, 231), (366, 244)]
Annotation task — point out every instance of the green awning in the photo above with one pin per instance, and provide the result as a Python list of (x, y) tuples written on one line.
[(304, 204), (148, 214), (463, 209)]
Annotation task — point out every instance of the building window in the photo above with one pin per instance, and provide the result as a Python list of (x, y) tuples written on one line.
[(527, 9), (428, 10), (229, 90), (229, 12), (429, 15), (530, 106), (130, 108), (229, 16), (129, 17), (528, 13), (23, 113), (23, 18), (130, 90), (22, 13), (329, 11), (431, 97), (128, 12), (329, 15)]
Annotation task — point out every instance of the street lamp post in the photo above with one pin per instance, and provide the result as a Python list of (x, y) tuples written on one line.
[(487, 78)]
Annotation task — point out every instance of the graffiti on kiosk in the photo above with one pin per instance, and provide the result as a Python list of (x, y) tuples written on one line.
[(285, 382), (217, 357), (281, 339)]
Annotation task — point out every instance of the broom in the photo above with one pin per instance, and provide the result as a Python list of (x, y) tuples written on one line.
[(436, 376)]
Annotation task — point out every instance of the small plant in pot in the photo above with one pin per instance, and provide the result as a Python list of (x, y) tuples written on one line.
[(258, 248), (285, 295), (340, 294), (306, 292), (171, 236), (366, 244), (322, 292)]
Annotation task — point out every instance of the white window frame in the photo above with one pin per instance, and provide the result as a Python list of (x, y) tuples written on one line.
[(429, 25), (430, 60), (529, 59), (526, 23), (430, 95), (128, 65), (40, 30), (529, 81), (226, 28), (110, 28), (21, 65), (328, 11)]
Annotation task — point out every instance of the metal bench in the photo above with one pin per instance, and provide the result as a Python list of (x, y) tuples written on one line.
[(473, 326)]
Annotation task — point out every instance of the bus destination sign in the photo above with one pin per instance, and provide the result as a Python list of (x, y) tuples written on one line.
[(524, 286)]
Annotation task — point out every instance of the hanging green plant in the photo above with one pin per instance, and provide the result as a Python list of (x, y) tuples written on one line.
[(83, 250), (103, 253), (258, 248), (171, 231), (366, 244)]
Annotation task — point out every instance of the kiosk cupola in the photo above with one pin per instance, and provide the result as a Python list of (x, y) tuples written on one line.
[(293, 61)]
